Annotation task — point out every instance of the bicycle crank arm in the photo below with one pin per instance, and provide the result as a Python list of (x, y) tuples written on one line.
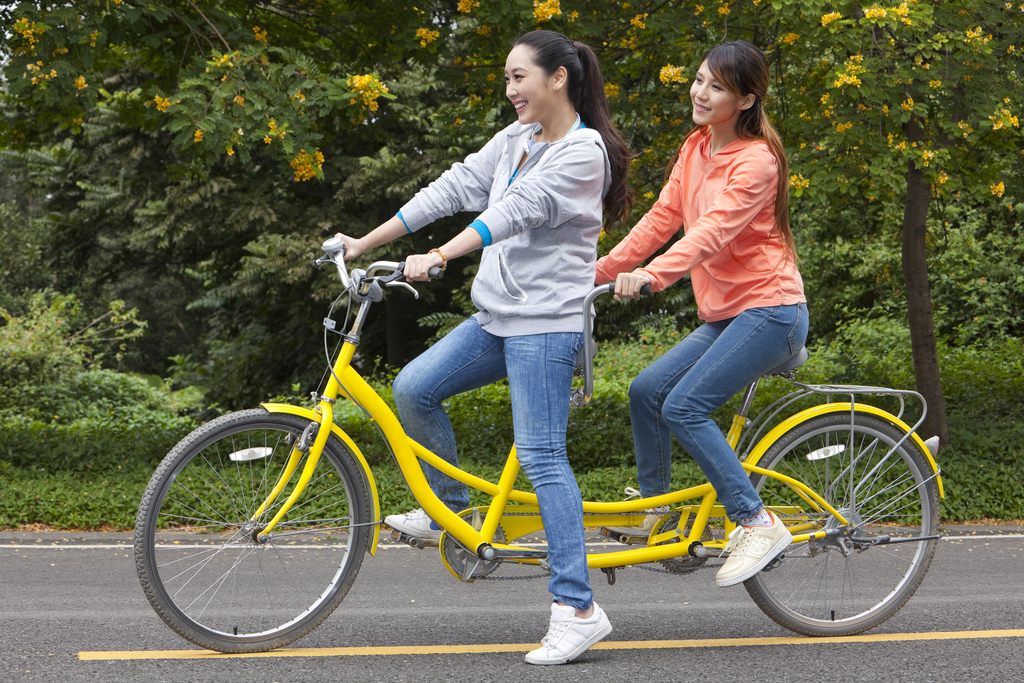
[(489, 552)]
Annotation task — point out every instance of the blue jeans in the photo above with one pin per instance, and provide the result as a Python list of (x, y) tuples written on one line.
[(539, 370), (677, 393)]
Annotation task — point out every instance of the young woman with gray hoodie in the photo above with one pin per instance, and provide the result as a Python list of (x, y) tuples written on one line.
[(540, 186)]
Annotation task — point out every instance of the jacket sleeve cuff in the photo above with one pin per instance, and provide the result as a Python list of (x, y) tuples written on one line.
[(485, 232), (402, 218)]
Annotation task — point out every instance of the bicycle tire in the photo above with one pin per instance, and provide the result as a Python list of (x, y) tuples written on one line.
[(834, 587), (196, 552)]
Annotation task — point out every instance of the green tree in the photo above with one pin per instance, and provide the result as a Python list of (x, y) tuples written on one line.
[(904, 104)]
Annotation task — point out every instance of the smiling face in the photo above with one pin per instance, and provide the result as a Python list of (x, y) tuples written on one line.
[(534, 94), (713, 104)]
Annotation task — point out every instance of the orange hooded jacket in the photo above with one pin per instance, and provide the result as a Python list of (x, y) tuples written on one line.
[(725, 204)]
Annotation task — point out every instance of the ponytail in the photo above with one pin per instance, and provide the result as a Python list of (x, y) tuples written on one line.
[(586, 92)]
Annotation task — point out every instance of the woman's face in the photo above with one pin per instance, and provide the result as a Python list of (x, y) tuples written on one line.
[(713, 103), (533, 93)]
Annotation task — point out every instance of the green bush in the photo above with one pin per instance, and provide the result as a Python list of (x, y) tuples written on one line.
[(87, 465)]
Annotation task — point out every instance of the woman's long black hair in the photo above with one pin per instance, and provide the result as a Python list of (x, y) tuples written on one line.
[(586, 92)]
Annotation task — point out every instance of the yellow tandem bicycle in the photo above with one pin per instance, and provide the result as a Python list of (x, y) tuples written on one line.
[(252, 529)]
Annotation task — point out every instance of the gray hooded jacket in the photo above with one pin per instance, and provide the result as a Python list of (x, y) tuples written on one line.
[(540, 230)]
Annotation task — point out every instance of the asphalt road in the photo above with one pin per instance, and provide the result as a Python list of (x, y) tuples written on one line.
[(66, 596)]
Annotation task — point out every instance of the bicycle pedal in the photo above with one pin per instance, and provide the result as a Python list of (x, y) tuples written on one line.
[(415, 542), (625, 534)]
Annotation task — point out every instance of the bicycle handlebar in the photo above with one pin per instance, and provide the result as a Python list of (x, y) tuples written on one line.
[(588, 333), (335, 246)]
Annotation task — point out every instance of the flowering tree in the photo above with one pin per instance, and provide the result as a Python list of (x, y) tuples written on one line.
[(220, 135), (904, 103), (216, 78)]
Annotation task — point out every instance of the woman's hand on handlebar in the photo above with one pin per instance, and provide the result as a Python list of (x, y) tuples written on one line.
[(627, 285), (417, 267), (353, 247)]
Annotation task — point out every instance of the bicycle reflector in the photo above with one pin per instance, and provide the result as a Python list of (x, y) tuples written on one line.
[(818, 454), (250, 454)]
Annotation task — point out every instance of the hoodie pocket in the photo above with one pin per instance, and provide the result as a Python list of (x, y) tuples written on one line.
[(508, 283)]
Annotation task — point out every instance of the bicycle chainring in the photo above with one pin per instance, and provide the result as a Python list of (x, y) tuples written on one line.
[(456, 557), (684, 564)]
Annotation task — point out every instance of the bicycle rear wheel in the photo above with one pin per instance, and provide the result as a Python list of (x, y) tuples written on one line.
[(196, 551), (839, 586)]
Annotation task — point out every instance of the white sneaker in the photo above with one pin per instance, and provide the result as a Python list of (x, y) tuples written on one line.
[(569, 636), (415, 523), (751, 548)]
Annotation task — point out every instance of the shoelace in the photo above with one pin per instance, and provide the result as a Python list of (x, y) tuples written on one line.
[(631, 493), (737, 537), (555, 632), (415, 514)]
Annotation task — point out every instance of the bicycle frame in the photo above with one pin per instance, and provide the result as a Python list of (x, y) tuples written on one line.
[(346, 382)]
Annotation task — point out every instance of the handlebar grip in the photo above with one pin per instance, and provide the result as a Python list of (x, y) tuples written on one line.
[(435, 273), (645, 290)]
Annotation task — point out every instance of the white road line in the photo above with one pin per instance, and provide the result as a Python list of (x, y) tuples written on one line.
[(163, 546)]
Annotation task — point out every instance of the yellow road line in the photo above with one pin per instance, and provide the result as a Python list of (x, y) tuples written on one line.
[(511, 647)]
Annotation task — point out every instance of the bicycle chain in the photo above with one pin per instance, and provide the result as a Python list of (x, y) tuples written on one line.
[(491, 577)]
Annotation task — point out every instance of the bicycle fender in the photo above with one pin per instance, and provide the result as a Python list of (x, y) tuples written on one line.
[(347, 440), (790, 422)]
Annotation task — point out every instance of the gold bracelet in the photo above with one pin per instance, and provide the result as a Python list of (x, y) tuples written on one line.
[(444, 259)]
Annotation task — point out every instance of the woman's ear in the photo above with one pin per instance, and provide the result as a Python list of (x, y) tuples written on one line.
[(748, 101), (559, 79)]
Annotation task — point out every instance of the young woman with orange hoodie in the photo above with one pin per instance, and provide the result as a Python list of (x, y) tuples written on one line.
[(729, 191)]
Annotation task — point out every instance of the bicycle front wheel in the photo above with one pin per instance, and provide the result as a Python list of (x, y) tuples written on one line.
[(843, 585), (197, 550)]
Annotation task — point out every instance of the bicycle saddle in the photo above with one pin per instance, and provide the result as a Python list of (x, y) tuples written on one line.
[(792, 364)]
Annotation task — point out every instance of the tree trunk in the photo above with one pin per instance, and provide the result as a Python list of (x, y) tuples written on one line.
[(919, 298)]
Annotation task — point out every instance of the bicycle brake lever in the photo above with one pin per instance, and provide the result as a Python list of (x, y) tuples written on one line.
[(403, 284)]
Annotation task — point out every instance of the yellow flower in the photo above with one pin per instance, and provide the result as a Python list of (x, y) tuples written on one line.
[(672, 74), (935, 84), (611, 90), (790, 38), (161, 103), (239, 100), (198, 136), (997, 189), (797, 182), (260, 34), (850, 74), (427, 36), (875, 13), (974, 37), (573, 16), (843, 127), (230, 150), (927, 155), (830, 17), (724, 10), (368, 88), (943, 177), (543, 11), (484, 30), (80, 83), (306, 165), (698, 9), (466, 6), (639, 20), (908, 104), (267, 139), (1003, 119)]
